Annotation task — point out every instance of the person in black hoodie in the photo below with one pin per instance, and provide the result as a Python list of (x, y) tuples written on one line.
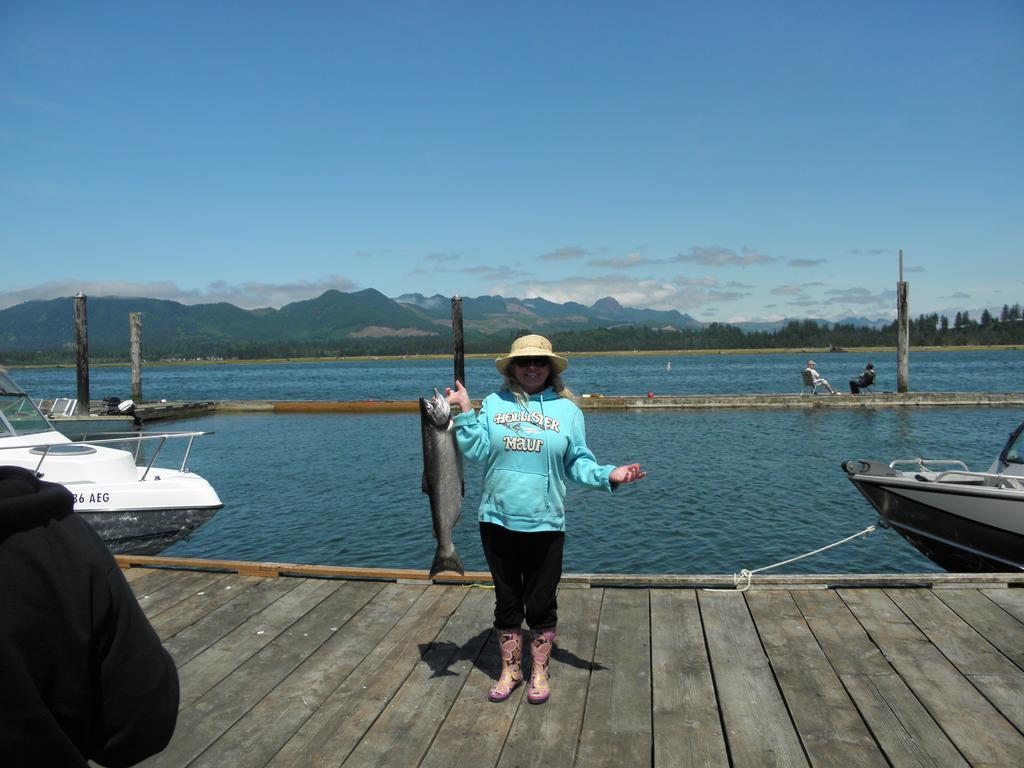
[(83, 675)]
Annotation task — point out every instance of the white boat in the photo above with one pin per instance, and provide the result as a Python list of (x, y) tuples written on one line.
[(963, 521), (136, 506)]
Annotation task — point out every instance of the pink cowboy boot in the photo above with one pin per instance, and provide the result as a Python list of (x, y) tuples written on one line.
[(510, 641), (540, 654)]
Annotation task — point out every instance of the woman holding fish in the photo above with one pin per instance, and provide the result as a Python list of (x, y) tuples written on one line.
[(531, 437)]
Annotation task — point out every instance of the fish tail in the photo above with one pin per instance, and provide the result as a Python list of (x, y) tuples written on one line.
[(446, 562)]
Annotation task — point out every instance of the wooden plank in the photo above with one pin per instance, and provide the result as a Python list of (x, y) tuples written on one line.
[(193, 640), (274, 570), (158, 580), (216, 662), (201, 603), (901, 725), (827, 722), (1010, 600), (134, 574), (546, 735), (328, 737), (998, 678), (758, 729), (475, 729), (687, 726), (208, 717), (990, 621), (827, 580), (617, 724), (405, 729), (156, 602), (264, 729), (982, 735)]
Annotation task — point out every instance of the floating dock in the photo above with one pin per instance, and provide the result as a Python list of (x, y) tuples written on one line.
[(290, 665), (656, 402), (148, 413)]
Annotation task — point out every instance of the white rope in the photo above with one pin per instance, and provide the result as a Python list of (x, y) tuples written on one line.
[(745, 577)]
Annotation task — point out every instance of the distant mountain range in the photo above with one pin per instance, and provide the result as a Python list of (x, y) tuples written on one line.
[(330, 318), (777, 325)]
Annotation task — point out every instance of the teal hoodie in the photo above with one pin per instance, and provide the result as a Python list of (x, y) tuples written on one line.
[(529, 455)]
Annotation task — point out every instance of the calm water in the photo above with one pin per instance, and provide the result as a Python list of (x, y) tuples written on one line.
[(726, 490), (997, 371)]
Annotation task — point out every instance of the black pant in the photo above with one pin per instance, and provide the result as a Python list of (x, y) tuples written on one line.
[(526, 569)]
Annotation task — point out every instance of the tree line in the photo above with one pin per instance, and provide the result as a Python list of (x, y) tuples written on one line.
[(931, 330)]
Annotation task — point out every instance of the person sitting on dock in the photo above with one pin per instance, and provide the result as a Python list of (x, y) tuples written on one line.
[(532, 439), (84, 676), (866, 379), (817, 378)]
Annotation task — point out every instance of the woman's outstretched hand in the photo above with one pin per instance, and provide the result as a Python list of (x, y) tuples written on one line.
[(626, 474), (458, 396)]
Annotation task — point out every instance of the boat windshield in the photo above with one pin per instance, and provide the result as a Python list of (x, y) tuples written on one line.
[(1014, 451), (18, 414)]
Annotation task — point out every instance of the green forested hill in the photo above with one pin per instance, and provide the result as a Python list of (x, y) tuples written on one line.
[(369, 323)]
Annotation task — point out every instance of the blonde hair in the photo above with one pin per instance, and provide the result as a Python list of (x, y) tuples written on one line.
[(554, 381)]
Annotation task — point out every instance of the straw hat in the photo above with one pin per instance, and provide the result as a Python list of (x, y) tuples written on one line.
[(531, 346)]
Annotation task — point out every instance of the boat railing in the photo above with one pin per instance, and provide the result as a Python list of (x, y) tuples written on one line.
[(159, 438), (926, 464), (961, 474)]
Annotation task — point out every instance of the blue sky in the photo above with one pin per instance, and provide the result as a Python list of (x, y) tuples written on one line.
[(733, 160)]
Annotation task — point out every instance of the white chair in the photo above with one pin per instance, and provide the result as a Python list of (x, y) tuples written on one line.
[(810, 383), (63, 406)]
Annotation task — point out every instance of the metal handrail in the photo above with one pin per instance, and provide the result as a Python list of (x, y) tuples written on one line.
[(962, 471), (923, 463), (136, 438)]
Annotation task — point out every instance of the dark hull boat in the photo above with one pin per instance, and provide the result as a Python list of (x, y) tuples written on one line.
[(961, 520)]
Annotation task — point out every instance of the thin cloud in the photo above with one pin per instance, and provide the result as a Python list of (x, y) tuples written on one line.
[(787, 290), (806, 262), (628, 261), (716, 256), (869, 251), (442, 257), (957, 295), (630, 292), (861, 297), (495, 272), (914, 269), (706, 282), (564, 254)]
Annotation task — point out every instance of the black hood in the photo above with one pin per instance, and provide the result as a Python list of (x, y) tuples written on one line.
[(26, 501)]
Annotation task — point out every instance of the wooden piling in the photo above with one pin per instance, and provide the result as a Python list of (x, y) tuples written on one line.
[(81, 353), (902, 333), (457, 340), (135, 334)]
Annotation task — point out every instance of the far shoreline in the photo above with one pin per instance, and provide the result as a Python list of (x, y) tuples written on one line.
[(488, 356)]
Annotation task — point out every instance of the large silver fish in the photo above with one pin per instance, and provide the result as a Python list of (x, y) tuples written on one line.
[(442, 478)]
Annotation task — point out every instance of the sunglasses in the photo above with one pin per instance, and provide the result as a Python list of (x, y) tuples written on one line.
[(526, 362)]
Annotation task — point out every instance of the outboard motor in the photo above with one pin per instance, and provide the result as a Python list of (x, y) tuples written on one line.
[(118, 407)]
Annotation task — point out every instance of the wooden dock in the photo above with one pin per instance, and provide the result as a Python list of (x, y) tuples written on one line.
[(305, 670), (666, 402)]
